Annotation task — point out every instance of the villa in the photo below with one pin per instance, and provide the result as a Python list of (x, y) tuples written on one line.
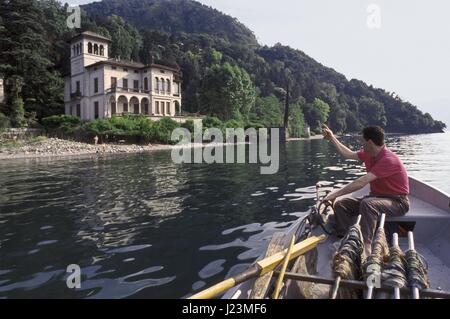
[(102, 87)]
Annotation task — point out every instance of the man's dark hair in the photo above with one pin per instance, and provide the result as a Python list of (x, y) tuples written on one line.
[(374, 133)]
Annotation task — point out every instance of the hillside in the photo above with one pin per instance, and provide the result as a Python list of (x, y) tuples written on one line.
[(174, 16), (353, 104), (226, 73)]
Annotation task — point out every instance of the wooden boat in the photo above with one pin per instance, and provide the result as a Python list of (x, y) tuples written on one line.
[(428, 218)]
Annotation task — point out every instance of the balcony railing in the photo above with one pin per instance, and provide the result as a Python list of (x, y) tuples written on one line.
[(127, 90), (75, 95), (141, 91)]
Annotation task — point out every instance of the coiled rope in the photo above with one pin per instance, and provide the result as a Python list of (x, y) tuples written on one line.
[(379, 254), (394, 271), (417, 270), (348, 260)]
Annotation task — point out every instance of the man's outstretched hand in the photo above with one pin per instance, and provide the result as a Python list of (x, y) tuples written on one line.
[(326, 132)]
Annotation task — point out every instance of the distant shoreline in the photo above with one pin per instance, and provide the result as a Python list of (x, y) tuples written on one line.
[(59, 148), (314, 137)]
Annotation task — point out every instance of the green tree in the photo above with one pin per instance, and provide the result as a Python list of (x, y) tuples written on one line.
[(17, 111), (372, 111), (297, 126), (26, 42), (267, 112), (126, 41), (324, 109), (316, 113), (228, 92)]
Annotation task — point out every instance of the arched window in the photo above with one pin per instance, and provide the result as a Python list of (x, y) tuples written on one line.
[(102, 50), (96, 48), (168, 86), (163, 85), (89, 47), (156, 84)]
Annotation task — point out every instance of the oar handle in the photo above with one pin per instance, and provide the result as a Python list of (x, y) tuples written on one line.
[(369, 293), (411, 241), (395, 239), (395, 243), (382, 220), (335, 288), (358, 220)]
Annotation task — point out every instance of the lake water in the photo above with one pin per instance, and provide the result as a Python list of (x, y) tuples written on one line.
[(140, 226)]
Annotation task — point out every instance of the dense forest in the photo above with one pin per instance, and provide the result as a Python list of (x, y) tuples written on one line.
[(225, 72)]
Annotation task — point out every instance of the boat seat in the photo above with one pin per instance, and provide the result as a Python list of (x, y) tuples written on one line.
[(418, 210)]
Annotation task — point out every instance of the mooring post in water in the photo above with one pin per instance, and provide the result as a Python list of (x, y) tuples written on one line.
[(381, 226), (395, 243), (415, 290), (337, 281)]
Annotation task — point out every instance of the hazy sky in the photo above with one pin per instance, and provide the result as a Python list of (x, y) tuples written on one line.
[(408, 54)]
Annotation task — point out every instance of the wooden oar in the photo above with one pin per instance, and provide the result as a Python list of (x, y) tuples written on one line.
[(337, 281), (276, 292), (414, 290), (370, 289), (260, 268)]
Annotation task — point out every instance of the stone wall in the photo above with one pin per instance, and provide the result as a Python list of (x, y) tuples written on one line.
[(20, 133)]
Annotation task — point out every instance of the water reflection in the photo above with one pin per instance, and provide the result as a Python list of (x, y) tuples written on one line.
[(140, 226)]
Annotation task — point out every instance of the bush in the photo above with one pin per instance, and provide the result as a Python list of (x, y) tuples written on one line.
[(99, 127), (57, 124), (133, 128), (189, 124), (4, 122), (162, 130), (234, 124), (212, 121)]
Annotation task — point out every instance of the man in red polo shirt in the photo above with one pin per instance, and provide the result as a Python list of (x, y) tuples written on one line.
[(389, 185)]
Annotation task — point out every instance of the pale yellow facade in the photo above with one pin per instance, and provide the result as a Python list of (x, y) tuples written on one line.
[(100, 87)]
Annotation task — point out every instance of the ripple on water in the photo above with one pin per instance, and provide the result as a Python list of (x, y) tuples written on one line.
[(128, 249), (198, 285), (106, 212), (258, 194), (46, 242), (213, 268)]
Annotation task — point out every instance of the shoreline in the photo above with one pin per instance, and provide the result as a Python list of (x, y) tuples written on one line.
[(314, 137), (58, 148)]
